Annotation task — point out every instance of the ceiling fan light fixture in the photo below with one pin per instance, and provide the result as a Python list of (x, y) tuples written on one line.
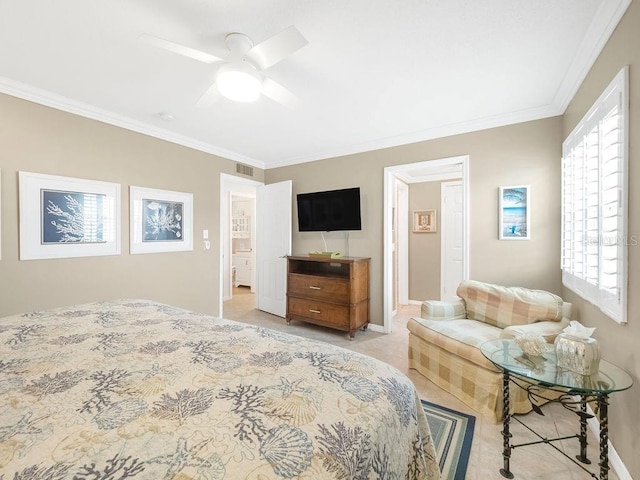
[(240, 83)]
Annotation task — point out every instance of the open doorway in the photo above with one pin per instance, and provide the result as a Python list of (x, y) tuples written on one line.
[(243, 249), (399, 233), (264, 211), (237, 245)]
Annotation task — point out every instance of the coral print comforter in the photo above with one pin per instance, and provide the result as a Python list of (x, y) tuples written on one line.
[(140, 390)]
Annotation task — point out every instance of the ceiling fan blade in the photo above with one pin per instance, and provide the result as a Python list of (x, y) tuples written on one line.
[(276, 48), (208, 98), (279, 94), (179, 49)]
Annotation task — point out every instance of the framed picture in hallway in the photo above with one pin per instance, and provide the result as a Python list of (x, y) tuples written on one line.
[(161, 220), (424, 221), (64, 217), (514, 222)]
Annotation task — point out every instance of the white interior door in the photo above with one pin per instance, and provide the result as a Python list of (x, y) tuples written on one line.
[(273, 244), (452, 270)]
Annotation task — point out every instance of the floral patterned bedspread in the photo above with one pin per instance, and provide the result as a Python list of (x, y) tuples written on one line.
[(136, 389)]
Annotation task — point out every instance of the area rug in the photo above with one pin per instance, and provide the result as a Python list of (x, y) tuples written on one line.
[(452, 434)]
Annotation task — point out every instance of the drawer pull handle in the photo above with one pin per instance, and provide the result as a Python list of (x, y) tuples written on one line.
[(314, 311), (312, 287)]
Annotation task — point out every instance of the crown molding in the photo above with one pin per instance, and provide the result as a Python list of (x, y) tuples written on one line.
[(59, 102), (495, 121), (434, 177), (602, 26)]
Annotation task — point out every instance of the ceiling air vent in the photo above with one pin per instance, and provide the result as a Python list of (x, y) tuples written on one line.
[(243, 169)]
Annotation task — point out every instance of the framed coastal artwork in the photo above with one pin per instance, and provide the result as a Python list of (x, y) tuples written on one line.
[(424, 221), (67, 217), (514, 208), (161, 220)]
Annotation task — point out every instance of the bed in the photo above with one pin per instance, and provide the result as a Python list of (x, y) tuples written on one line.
[(137, 389)]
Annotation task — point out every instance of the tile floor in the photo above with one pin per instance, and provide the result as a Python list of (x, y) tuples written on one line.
[(527, 463)]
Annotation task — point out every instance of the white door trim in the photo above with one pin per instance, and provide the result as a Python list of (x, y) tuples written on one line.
[(387, 241)]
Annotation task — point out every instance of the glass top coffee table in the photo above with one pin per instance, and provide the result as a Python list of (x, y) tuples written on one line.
[(545, 381)]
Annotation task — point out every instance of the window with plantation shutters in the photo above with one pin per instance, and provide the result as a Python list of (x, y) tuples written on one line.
[(594, 203)]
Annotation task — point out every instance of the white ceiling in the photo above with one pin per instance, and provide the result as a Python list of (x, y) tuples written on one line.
[(375, 73)]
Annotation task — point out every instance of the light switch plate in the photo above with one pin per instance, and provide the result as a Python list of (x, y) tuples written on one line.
[(205, 234)]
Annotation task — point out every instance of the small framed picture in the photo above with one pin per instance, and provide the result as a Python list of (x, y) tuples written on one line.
[(67, 217), (514, 213), (424, 221), (161, 220)]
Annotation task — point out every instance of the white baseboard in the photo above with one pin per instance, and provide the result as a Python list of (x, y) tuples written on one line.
[(614, 459), (376, 328), (415, 302)]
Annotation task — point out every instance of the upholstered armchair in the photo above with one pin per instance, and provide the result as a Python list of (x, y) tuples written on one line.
[(444, 342)]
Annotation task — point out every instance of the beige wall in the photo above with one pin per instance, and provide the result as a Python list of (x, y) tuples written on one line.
[(34, 138), (527, 153), (424, 248), (619, 343)]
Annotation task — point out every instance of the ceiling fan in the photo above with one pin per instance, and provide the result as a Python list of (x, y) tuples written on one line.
[(241, 78)]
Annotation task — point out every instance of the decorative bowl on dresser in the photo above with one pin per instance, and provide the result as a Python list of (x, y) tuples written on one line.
[(332, 292)]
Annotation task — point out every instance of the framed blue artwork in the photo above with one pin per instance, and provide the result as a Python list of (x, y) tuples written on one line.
[(514, 213), (67, 217), (72, 217), (161, 220)]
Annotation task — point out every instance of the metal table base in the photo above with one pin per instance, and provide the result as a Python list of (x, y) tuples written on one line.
[(567, 400)]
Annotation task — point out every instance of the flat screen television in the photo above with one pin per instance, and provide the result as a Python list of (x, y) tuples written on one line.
[(329, 211)]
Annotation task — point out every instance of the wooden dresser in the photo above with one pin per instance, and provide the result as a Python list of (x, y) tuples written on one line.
[(333, 292)]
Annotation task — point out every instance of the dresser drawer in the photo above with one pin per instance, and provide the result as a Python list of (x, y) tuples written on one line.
[(323, 313), (310, 286)]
